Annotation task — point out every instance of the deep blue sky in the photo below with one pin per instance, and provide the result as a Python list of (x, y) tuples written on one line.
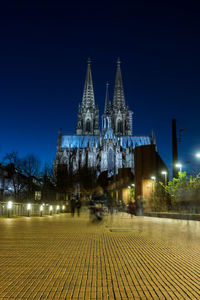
[(43, 59)]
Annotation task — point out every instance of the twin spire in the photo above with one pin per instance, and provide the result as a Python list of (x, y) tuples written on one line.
[(116, 116), (118, 98), (88, 92)]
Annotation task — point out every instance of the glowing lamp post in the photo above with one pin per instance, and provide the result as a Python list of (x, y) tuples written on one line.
[(57, 208), (63, 208), (165, 176), (41, 210), (28, 209), (9, 206), (153, 185), (180, 167), (51, 209)]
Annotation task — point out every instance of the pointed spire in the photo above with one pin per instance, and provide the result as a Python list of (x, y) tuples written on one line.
[(118, 98), (88, 92), (107, 101)]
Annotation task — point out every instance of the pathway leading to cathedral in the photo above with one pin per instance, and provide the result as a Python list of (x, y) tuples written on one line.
[(60, 257)]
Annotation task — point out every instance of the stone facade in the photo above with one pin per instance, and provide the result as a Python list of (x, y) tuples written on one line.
[(109, 150)]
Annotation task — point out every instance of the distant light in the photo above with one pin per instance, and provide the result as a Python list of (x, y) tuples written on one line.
[(51, 207), (41, 207), (132, 184), (164, 172), (129, 187), (10, 204), (28, 206), (179, 165), (57, 207), (153, 177), (63, 207), (198, 155)]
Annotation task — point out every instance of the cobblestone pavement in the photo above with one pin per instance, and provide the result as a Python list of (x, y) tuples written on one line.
[(60, 257)]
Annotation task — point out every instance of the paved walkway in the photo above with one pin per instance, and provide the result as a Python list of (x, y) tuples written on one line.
[(60, 257)]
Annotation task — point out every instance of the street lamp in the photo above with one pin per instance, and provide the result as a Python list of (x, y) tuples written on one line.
[(153, 186), (28, 209), (50, 209), (9, 206), (165, 175), (180, 167), (63, 208), (57, 208)]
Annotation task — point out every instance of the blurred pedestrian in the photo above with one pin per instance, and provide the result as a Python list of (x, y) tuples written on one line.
[(132, 208), (73, 205), (78, 206)]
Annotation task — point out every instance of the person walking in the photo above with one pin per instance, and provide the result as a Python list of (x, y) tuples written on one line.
[(73, 205), (131, 208), (78, 206)]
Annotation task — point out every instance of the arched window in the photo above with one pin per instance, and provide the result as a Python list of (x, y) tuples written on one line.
[(119, 127), (88, 127)]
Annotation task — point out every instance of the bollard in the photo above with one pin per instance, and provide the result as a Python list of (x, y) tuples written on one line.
[(41, 209), (9, 206), (50, 209), (28, 209)]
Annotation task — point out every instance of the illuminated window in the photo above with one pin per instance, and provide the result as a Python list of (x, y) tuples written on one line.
[(38, 195)]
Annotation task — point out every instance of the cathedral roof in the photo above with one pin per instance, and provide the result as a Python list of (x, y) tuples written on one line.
[(82, 141), (74, 141)]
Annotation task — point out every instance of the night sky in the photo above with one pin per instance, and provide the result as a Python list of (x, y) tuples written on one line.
[(43, 59)]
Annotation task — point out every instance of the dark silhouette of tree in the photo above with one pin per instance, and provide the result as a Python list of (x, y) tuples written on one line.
[(48, 184), (16, 180)]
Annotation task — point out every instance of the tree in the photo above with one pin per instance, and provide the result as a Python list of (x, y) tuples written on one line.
[(184, 191), (48, 184), (30, 165), (16, 180), (65, 179)]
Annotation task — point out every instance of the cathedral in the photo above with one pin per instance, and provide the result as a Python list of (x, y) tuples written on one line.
[(107, 149)]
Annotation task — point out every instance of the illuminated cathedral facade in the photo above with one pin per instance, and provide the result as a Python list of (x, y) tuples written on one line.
[(107, 149)]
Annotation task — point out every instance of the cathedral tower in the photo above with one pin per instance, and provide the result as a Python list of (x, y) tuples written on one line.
[(121, 115), (88, 112)]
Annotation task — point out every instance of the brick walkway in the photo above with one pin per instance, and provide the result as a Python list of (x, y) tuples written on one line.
[(60, 257)]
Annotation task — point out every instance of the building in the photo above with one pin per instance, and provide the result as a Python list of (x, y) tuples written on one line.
[(149, 169), (110, 148)]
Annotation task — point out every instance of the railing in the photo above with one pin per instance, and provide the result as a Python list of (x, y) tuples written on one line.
[(9, 209)]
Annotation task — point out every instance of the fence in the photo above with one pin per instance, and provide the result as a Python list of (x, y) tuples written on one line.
[(9, 209)]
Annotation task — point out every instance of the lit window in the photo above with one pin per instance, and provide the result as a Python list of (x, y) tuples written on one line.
[(38, 195)]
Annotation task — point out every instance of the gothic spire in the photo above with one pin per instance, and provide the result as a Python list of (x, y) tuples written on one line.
[(107, 101), (88, 92), (118, 98)]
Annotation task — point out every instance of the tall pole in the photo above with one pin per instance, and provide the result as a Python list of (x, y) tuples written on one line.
[(174, 149)]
